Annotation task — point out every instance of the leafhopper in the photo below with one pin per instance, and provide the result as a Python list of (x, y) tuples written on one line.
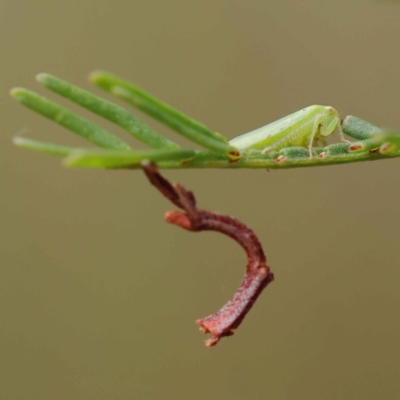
[(306, 127)]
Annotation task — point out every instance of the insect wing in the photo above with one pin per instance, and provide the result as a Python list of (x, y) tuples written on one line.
[(268, 134)]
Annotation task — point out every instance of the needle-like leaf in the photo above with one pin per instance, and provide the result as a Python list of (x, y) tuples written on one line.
[(164, 113), (68, 119), (107, 110), (43, 147)]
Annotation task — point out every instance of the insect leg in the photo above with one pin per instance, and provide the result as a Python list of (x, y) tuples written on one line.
[(314, 131), (336, 125), (341, 134)]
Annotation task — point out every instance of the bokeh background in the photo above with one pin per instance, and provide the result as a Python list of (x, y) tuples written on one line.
[(99, 295)]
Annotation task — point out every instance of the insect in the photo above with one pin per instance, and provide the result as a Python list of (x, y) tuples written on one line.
[(302, 128)]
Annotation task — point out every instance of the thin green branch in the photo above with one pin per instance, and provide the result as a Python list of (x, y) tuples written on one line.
[(107, 110), (101, 158), (291, 157), (97, 158), (68, 119), (176, 120), (372, 144)]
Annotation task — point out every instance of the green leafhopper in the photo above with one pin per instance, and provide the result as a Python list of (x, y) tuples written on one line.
[(302, 128)]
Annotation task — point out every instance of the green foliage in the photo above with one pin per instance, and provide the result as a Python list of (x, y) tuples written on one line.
[(112, 152), (176, 120)]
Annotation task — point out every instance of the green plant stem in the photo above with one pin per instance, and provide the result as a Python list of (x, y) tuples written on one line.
[(293, 157), (204, 160), (176, 120), (98, 158), (374, 144), (107, 110)]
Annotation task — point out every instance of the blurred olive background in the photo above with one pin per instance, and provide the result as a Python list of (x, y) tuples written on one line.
[(99, 295)]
